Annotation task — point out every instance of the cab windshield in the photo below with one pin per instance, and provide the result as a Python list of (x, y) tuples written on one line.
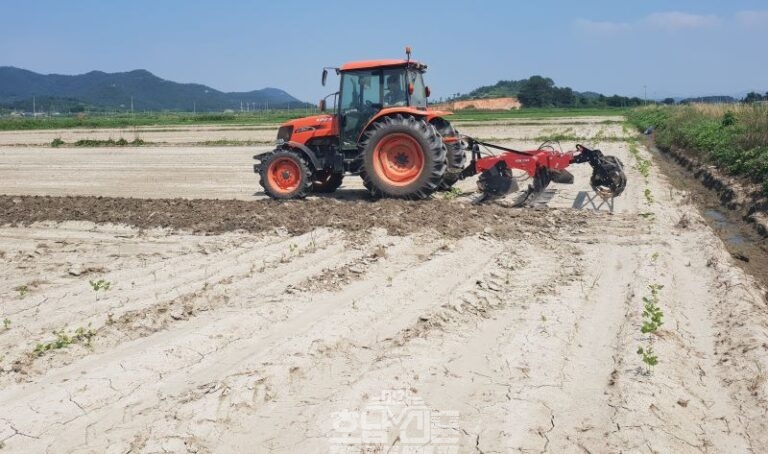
[(365, 92), (419, 97)]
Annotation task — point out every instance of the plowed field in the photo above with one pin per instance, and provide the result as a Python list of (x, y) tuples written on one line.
[(143, 315)]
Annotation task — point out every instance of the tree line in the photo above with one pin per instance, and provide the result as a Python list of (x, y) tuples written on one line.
[(538, 91)]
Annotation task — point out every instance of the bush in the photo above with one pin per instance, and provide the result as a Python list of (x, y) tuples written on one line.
[(643, 118)]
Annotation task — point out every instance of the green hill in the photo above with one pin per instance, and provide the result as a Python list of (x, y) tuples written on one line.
[(114, 91)]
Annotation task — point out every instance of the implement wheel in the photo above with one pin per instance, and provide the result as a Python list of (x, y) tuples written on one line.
[(403, 157), (285, 175)]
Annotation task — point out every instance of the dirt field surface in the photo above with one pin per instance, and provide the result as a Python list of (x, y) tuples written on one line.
[(154, 324)]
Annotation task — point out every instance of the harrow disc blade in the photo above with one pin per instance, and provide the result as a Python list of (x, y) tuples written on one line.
[(608, 178), (497, 181)]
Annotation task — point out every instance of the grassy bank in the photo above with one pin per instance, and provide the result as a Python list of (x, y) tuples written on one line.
[(149, 119), (257, 118), (733, 137)]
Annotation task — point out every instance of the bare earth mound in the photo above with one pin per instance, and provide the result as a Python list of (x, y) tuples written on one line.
[(295, 217)]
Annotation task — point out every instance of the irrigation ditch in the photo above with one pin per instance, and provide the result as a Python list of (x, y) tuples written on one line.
[(735, 208)]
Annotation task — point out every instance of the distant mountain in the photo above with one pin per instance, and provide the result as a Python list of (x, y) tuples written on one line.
[(113, 91)]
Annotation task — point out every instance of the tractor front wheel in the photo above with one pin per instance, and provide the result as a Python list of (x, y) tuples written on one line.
[(285, 175), (403, 156)]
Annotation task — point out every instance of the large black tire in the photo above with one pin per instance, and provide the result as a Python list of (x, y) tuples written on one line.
[(456, 154), (325, 182), (403, 157), (285, 175)]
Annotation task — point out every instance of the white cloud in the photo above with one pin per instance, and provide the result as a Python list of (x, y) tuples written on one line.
[(753, 19), (605, 28), (675, 20), (672, 20)]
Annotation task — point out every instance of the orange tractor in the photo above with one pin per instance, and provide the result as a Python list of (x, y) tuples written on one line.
[(383, 130)]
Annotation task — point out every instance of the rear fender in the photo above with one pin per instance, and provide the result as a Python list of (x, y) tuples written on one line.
[(428, 115)]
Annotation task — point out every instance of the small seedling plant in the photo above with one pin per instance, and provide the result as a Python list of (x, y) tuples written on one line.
[(101, 284), (22, 290), (648, 196), (653, 318), (7, 323), (452, 193), (649, 358), (63, 339)]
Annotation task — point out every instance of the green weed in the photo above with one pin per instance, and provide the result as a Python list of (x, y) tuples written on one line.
[(452, 193), (648, 196), (101, 284), (121, 142), (64, 339), (7, 323), (22, 290), (232, 143), (642, 165), (57, 142)]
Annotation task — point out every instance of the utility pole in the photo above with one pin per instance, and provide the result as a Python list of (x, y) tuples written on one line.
[(194, 107), (645, 94), (33, 106), (131, 105)]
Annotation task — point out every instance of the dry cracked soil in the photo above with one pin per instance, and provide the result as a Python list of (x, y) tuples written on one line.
[(199, 317)]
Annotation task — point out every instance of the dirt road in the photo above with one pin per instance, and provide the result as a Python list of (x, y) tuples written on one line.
[(252, 326)]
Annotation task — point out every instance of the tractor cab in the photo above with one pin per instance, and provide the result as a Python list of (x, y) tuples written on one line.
[(368, 87)]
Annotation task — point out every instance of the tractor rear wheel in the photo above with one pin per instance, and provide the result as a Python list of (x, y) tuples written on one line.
[(285, 175), (456, 153), (326, 181), (403, 156)]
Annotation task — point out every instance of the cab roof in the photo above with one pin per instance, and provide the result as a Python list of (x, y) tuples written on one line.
[(371, 64)]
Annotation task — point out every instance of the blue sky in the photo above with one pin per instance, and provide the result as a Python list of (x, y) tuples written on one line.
[(673, 48)]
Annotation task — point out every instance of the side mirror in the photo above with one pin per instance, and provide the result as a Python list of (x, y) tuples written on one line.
[(427, 92), (321, 105), (325, 76)]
